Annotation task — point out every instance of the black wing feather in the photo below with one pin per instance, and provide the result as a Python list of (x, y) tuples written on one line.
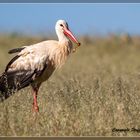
[(15, 50), (16, 80), (12, 60), (12, 81)]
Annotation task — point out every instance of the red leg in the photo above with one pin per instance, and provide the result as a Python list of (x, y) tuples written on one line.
[(35, 105)]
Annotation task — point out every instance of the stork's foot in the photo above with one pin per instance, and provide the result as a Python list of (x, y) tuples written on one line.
[(35, 108)]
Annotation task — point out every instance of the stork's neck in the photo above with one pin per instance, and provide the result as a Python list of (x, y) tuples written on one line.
[(62, 38)]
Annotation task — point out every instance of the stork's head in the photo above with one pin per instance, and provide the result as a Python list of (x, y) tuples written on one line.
[(62, 31)]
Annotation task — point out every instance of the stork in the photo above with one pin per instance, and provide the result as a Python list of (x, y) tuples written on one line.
[(34, 64)]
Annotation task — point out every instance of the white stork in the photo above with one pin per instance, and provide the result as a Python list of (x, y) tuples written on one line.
[(34, 64)]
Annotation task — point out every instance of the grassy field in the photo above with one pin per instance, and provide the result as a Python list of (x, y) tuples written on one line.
[(94, 93)]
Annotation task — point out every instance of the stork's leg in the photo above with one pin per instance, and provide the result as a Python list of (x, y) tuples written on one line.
[(35, 104)]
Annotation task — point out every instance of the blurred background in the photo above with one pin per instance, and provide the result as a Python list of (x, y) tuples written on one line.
[(82, 18), (97, 90)]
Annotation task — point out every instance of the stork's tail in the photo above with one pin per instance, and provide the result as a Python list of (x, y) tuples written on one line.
[(7, 87)]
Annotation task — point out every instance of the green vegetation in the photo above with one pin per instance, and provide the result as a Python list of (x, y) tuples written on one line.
[(98, 89)]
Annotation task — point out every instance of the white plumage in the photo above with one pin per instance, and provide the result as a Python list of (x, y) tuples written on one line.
[(35, 63)]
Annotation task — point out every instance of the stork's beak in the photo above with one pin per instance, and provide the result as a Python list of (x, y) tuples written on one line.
[(68, 33)]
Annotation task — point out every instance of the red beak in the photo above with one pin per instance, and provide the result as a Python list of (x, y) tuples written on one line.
[(68, 33)]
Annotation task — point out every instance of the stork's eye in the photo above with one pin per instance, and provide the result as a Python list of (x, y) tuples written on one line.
[(61, 25)]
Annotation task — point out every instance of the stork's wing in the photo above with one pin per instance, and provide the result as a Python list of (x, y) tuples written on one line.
[(17, 80), (24, 68), (10, 63)]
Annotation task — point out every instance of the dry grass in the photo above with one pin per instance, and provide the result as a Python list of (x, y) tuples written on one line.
[(98, 89)]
